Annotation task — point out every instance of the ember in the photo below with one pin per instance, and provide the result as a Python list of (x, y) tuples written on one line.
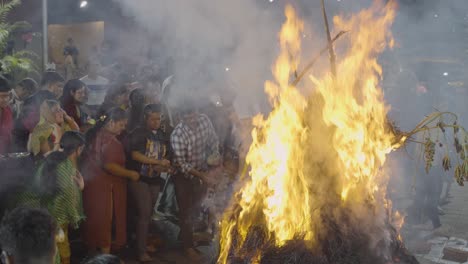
[(316, 191)]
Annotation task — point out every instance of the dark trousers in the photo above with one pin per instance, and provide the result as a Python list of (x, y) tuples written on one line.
[(144, 197), (189, 193)]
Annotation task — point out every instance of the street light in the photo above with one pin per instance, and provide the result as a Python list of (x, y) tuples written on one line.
[(83, 4)]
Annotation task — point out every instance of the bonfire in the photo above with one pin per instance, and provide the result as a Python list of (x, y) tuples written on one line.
[(315, 191)]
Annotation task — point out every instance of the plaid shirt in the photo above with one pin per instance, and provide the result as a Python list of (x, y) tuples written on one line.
[(192, 147)]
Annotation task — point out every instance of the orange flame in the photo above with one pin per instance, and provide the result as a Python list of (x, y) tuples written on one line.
[(311, 150)]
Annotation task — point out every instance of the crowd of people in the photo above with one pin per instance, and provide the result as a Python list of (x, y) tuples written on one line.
[(102, 153)]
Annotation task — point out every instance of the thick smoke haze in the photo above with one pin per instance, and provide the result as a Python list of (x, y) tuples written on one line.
[(212, 45)]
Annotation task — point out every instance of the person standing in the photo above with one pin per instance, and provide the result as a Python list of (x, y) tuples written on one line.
[(97, 85), (6, 116), (57, 188), (28, 236), (46, 136), (149, 154), (24, 89), (105, 194), (51, 89), (193, 142), (74, 97)]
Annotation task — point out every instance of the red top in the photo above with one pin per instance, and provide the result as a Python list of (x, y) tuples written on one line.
[(6, 127), (104, 195)]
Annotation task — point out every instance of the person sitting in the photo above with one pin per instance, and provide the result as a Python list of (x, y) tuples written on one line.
[(27, 236), (149, 151), (6, 116), (51, 89), (47, 134)]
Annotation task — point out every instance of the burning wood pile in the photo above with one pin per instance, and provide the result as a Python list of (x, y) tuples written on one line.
[(316, 189)]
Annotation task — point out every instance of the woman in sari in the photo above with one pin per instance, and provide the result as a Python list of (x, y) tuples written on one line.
[(48, 132), (105, 195), (57, 187)]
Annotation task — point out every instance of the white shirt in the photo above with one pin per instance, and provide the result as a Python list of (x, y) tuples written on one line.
[(97, 89)]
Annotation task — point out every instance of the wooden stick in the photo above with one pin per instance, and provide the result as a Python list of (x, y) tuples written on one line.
[(330, 43), (312, 62)]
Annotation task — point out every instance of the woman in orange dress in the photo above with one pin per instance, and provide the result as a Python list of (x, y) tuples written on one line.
[(105, 193)]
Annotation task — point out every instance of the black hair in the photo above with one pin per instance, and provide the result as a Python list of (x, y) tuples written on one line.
[(137, 104), (4, 85), (50, 77), (114, 114), (113, 92), (28, 235), (70, 142), (70, 87), (151, 108), (104, 259), (29, 85), (187, 106)]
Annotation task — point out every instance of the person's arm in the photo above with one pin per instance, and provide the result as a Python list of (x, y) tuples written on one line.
[(213, 141), (179, 148), (120, 171), (138, 156), (79, 181), (44, 147), (70, 122)]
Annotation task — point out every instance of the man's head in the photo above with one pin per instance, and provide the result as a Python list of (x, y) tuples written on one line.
[(188, 111), (27, 236), (53, 82), (152, 116), (70, 41), (25, 88), (5, 92), (93, 68)]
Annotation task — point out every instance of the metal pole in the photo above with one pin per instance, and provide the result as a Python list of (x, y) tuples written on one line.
[(45, 41)]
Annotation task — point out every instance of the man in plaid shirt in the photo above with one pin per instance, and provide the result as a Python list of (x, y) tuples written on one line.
[(193, 141)]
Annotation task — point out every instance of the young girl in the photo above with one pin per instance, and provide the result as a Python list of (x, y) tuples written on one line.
[(105, 195), (57, 187)]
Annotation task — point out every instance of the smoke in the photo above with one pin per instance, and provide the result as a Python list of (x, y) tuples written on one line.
[(212, 45)]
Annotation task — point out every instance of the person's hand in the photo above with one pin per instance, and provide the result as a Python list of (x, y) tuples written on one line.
[(205, 177), (164, 163), (134, 176), (78, 178)]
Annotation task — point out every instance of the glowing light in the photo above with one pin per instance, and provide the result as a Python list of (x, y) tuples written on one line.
[(83, 4), (227, 69), (445, 73), (436, 15), (343, 123), (271, 1)]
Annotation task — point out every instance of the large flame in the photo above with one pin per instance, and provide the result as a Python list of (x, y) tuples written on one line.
[(320, 153)]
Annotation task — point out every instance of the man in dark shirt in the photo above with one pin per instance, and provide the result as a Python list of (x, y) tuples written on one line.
[(149, 152), (51, 89)]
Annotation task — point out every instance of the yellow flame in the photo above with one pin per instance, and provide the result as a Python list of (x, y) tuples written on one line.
[(310, 150)]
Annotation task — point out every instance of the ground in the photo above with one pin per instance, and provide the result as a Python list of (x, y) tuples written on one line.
[(448, 245)]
